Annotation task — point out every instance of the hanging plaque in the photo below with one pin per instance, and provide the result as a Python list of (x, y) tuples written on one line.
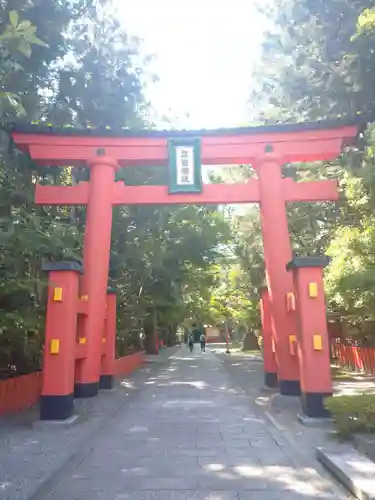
[(185, 165)]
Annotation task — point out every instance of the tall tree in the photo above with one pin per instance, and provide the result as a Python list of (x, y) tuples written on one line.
[(92, 75), (315, 61), (318, 63), (30, 234)]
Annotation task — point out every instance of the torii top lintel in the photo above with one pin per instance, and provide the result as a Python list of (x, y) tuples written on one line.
[(293, 143)]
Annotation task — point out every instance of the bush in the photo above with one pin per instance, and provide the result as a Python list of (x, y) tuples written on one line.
[(352, 414), (250, 342)]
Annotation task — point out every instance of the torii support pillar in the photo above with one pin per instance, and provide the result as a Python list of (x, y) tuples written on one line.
[(56, 402), (313, 342), (97, 246), (277, 253), (269, 359), (107, 374)]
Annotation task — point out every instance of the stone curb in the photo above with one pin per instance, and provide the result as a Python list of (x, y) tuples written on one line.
[(365, 444), (315, 422), (353, 470), (83, 448)]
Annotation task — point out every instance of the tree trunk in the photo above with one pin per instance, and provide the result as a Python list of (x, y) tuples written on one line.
[(150, 327), (171, 335)]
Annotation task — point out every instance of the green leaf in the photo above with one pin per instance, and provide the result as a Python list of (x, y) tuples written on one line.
[(29, 32), (36, 41), (24, 48), (24, 25), (13, 102), (13, 18), (17, 67), (12, 98)]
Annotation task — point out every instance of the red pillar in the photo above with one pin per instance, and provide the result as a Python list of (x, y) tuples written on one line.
[(97, 246), (314, 346), (269, 359), (56, 402), (277, 253), (107, 374)]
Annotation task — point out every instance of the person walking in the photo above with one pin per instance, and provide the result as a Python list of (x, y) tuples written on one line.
[(191, 342), (203, 342)]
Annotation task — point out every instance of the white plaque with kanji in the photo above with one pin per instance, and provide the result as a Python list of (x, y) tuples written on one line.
[(185, 165)]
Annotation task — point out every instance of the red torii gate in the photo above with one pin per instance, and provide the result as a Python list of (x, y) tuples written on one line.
[(266, 148)]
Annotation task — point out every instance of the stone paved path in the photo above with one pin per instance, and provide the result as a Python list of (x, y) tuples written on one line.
[(189, 435)]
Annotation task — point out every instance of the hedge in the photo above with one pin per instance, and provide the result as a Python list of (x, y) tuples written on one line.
[(352, 414)]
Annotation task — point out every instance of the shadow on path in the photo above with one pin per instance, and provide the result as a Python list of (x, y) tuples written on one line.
[(189, 435)]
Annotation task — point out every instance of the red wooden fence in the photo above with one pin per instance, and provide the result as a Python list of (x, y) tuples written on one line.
[(354, 357), (19, 393), (128, 364)]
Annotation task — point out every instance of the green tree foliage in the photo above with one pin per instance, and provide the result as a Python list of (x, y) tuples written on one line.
[(317, 63), (316, 60), (231, 295), (162, 263), (17, 38), (70, 63)]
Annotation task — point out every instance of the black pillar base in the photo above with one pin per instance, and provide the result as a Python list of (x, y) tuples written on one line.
[(290, 387), (106, 382), (270, 379), (86, 390), (56, 407), (313, 404)]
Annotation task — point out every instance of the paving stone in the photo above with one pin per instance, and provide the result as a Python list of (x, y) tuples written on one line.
[(274, 495), (31, 456), (73, 489), (187, 482), (180, 495), (224, 443), (188, 435), (233, 483)]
